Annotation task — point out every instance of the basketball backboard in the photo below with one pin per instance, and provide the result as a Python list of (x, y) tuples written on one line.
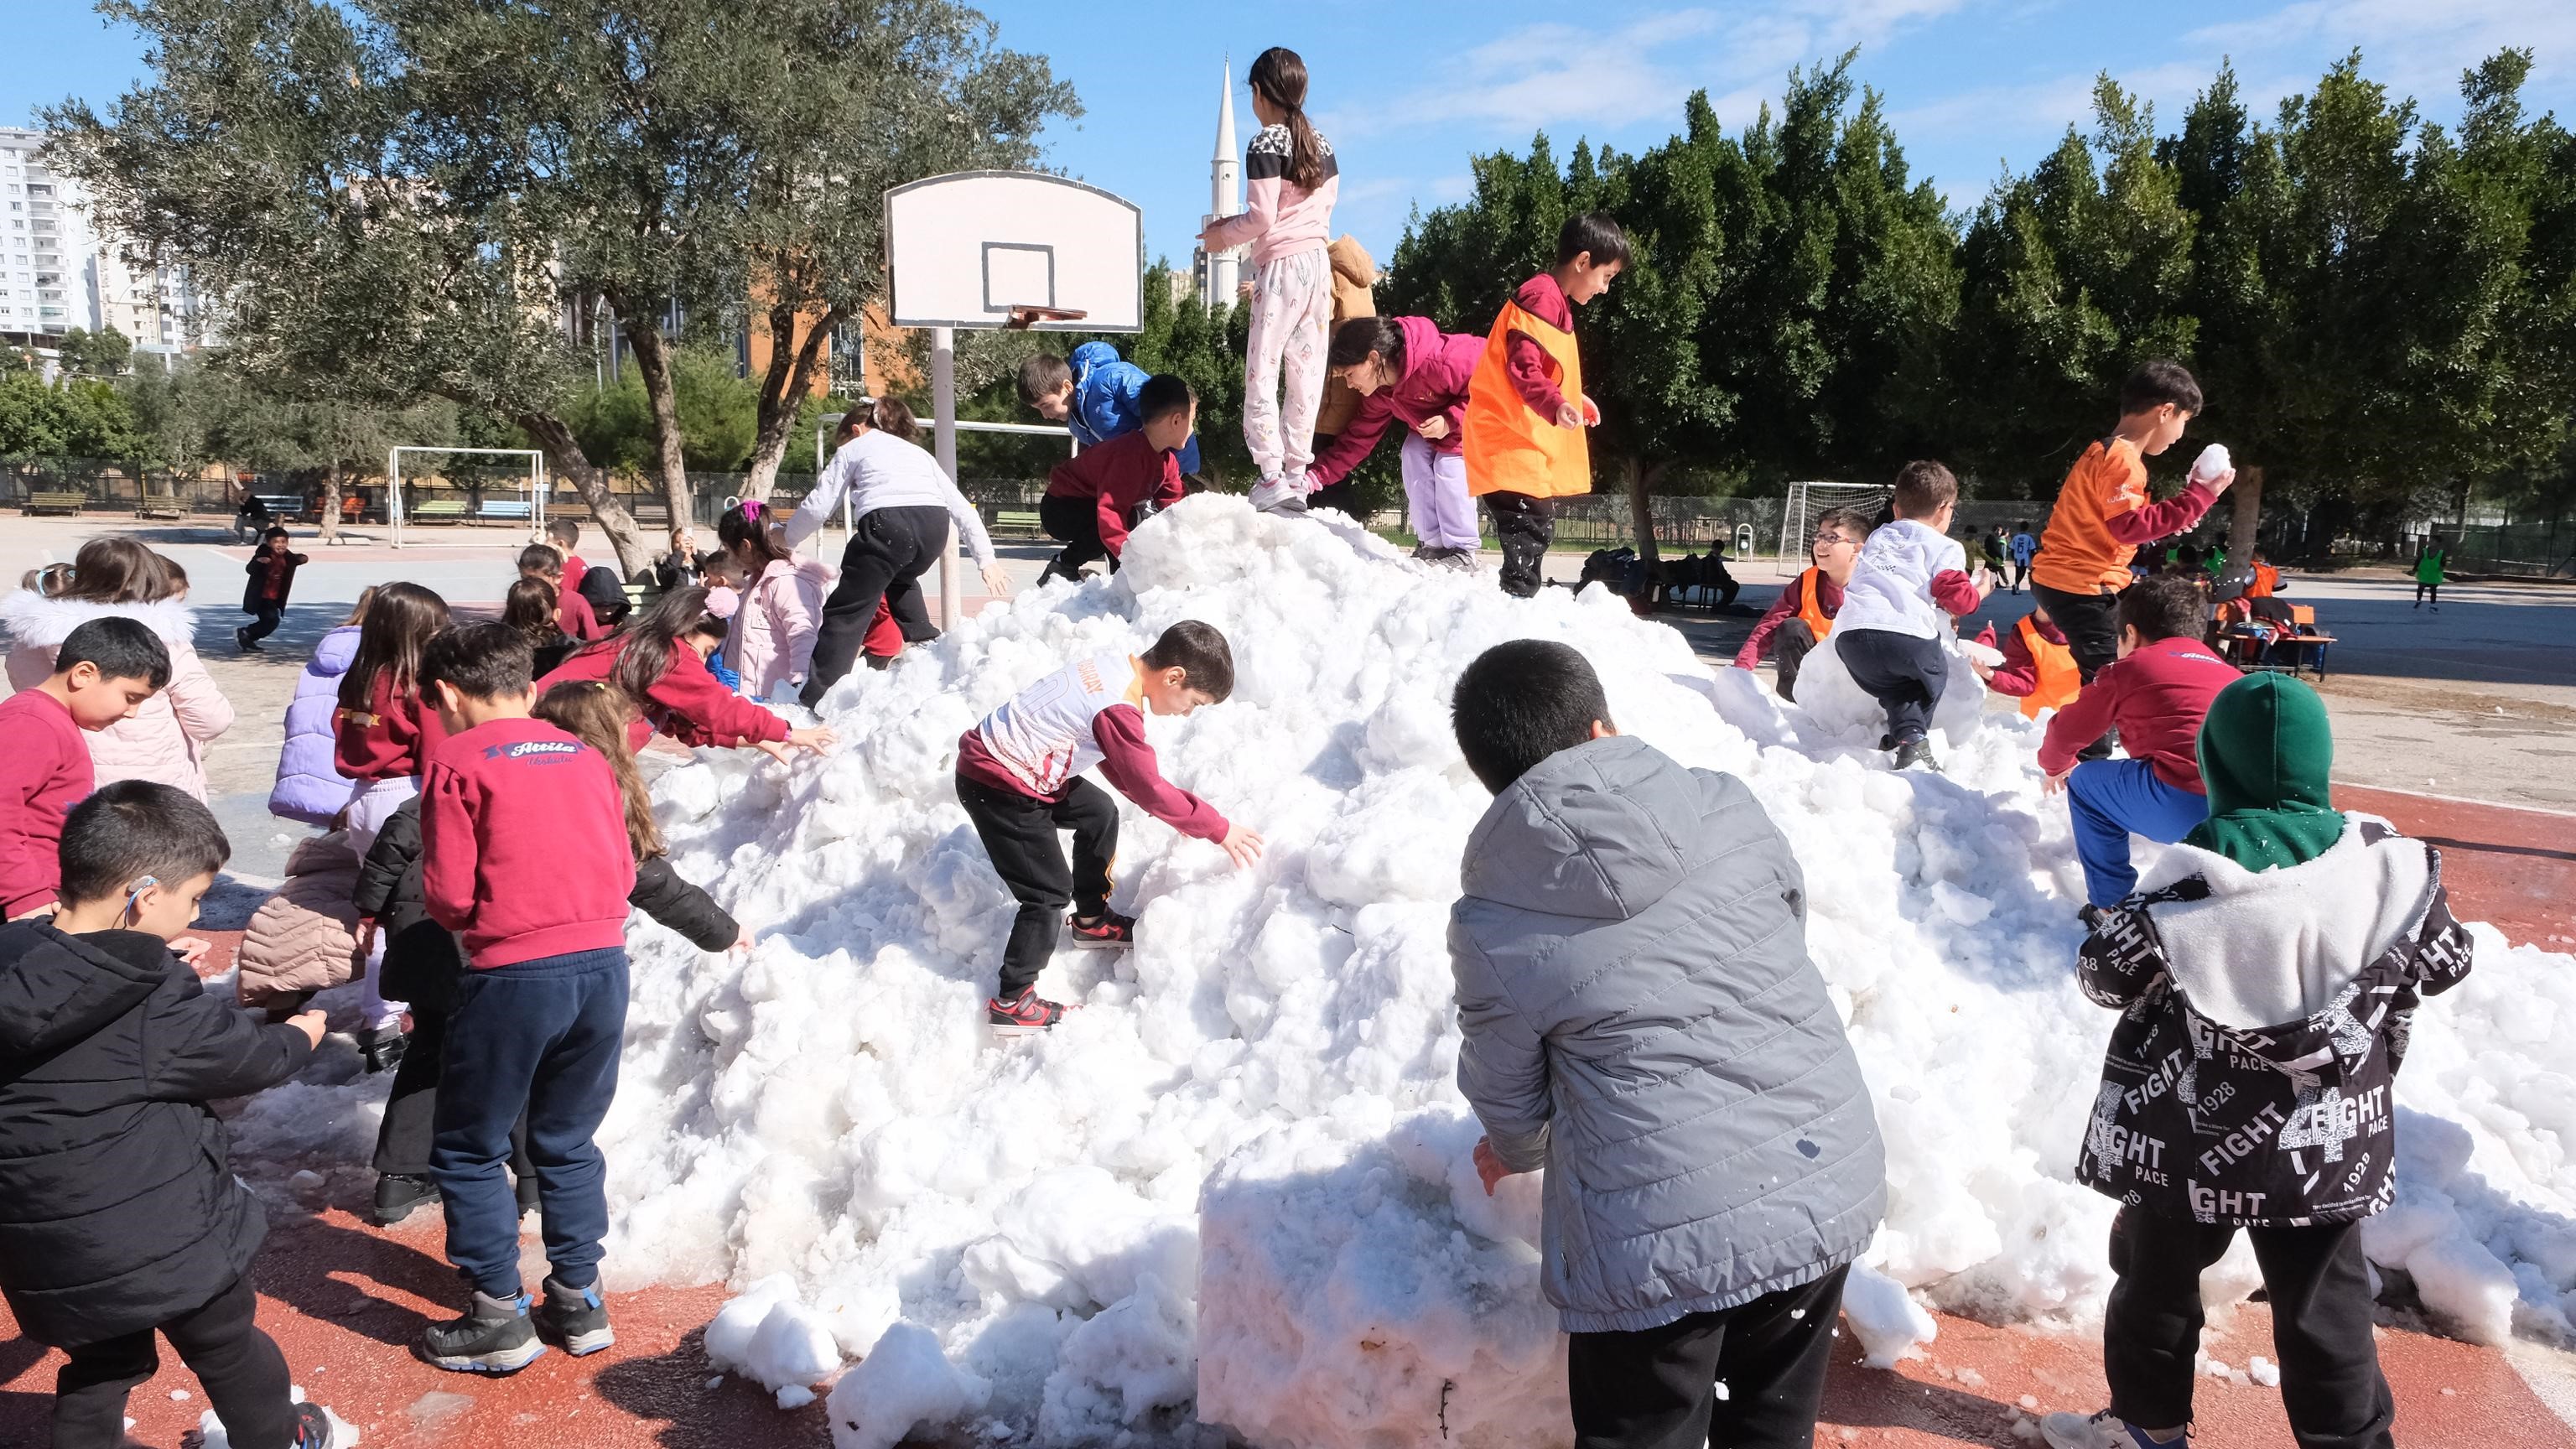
[(971, 248)]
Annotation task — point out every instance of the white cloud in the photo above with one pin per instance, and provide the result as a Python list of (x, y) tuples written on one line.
[(2415, 48)]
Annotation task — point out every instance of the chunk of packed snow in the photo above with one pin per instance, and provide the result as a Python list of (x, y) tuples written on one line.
[(1258, 1099), (1886, 1318), (904, 1384), (2263, 1371), (769, 1336)]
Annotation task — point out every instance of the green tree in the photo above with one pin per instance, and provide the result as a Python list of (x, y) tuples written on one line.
[(104, 353)]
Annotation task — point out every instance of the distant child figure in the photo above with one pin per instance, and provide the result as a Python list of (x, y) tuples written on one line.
[(103, 672), (272, 580), (1911, 582), (684, 565), (1526, 408), (2103, 515), (660, 659), (120, 1216), (530, 608), (1410, 373), (1095, 498), (544, 564), (2022, 547), (2155, 694), (1290, 182), (1019, 777), (524, 850), (2264, 580), (387, 730), (597, 588), (1095, 393), (769, 641), (1803, 615), (2428, 573), (1635, 1004), (2038, 667), (1998, 551), (2277, 955), (309, 787)]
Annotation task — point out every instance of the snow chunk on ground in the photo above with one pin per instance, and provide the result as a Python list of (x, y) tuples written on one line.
[(769, 1336), (903, 1385), (1885, 1317)]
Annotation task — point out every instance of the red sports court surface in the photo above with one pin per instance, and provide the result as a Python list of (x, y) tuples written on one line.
[(345, 1300)]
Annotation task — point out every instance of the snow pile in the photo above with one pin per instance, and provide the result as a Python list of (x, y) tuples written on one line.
[(769, 1336), (1235, 1187)]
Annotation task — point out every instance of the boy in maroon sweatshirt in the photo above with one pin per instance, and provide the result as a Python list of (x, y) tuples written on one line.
[(2157, 693), (104, 671), (523, 851), (1095, 497)]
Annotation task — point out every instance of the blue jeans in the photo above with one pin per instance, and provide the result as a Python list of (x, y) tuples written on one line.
[(541, 1036), (2112, 800)]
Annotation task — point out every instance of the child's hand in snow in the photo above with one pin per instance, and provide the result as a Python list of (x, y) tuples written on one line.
[(2055, 784), (1489, 1165), (1240, 845)]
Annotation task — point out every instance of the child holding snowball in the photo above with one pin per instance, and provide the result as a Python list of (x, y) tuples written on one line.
[(1640, 1017)]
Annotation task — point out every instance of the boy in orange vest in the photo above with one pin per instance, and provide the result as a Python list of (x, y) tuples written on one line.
[(1804, 613), (1526, 410), (2103, 514), (2039, 668)]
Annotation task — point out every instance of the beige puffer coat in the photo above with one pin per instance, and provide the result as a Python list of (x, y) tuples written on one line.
[(304, 938), (1354, 273), (166, 740)]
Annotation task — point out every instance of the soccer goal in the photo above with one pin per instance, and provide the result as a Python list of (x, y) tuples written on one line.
[(1806, 502), (522, 502)]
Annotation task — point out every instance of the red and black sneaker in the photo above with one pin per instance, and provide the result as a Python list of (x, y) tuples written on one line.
[(1023, 1015), (1105, 932)]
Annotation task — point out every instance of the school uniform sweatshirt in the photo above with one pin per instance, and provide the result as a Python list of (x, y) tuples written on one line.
[(2157, 697), (44, 772), (1116, 476), (523, 844), (1437, 366), (1088, 713), (391, 738), (686, 702)]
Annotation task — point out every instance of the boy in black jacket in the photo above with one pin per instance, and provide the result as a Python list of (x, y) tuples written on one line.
[(119, 1216), (272, 580), (424, 960)]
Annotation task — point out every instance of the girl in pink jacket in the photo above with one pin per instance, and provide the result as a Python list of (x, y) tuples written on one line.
[(1290, 183), (1410, 373), (769, 640), (166, 740)]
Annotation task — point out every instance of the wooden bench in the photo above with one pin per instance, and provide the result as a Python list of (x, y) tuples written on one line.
[(576, 511), (160, 505), (55, 500), (1014, 521), (505, 511), (439, 510)]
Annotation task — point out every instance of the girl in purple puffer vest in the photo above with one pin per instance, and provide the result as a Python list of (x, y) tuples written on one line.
[(309, 787)]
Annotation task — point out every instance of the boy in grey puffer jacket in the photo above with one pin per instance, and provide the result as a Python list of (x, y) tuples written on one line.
[(1641, 1019)]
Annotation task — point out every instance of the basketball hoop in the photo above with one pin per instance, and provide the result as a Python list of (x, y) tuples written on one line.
[(1023, 318)]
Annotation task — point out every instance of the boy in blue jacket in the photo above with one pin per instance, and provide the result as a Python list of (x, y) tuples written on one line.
[(1095, 393)]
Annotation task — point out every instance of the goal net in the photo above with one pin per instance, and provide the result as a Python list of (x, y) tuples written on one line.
[(1807, 502)]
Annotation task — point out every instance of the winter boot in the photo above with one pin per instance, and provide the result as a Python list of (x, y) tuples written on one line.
[(397, 1194), (382, 1047), (1055, 569), (1285, 496), (2102, 1431), (494, 1337), (312, 1427), (1023, 1015), (1108, 931), (1910, 753), (575, 1318)]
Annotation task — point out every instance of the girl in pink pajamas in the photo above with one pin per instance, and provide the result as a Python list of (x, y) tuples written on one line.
[(1290, 180)]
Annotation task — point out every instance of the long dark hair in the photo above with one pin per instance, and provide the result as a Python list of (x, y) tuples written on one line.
[(398, 624), (1279, 74), (1355, 339), (529, 607), (886, 415), (740, 528), (645, 641)]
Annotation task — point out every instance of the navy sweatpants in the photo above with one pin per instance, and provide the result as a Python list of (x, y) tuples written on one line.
[(541, 1036)]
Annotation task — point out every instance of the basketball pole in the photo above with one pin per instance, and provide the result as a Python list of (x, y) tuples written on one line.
[(943, 396)]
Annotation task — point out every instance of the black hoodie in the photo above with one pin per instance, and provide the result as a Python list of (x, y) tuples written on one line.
[(118, 1209)]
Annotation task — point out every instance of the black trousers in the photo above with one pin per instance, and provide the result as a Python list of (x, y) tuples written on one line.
[(1791, 643), (2020, 576), (1657, 1388), (2091, 624), (1903, 673), (2423, 589), (1524, 527), (242, 1372), (411, 1108), (889, 552), (1075, 522), (1019, 833), (2331, 1387), (265, 622)]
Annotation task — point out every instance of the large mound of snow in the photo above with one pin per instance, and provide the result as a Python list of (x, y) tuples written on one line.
[(1235, 1186)]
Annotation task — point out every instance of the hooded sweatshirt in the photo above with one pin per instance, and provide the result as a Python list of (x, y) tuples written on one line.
[(1433, 385), (2157, 697), (2266, 751), (1640, 1017), (118, 1206), (166, 740)]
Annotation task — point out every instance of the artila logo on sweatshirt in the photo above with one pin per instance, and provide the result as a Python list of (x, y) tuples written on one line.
[(525, 749)]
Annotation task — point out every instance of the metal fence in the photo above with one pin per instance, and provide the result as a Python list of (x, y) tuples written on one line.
[(2538, 550)]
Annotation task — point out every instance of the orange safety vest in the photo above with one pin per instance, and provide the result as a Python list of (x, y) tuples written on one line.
[(2060, 679), (1810, 607), (1507, 446)]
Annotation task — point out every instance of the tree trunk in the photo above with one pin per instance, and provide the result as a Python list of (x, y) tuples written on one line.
[(1641, 518), (331, 503), (653, 365), (782, 394), (564, 455), (2245, 519)]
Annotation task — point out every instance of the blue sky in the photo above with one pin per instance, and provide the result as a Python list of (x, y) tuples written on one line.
[(1409, 91)]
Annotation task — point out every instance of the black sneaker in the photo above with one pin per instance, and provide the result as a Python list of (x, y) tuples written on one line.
[(397, 1194), (1023, 1015), (575, 1318), (1055, 569), (527, 1191), (243, 641), (312, 1427), (494, 1337), (1910, 753), (1108, 931), (382, 1047)]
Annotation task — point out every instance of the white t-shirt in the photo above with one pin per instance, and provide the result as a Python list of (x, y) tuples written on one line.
[(1891, 586), (877, 470), (1044, 735)]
